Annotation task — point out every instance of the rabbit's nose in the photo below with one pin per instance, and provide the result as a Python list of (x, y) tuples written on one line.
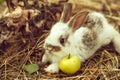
[(52, 48)]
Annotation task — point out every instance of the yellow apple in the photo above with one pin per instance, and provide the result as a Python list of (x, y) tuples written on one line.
[(70, 64)]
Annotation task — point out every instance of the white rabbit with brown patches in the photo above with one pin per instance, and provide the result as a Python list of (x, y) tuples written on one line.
[(69, 36)]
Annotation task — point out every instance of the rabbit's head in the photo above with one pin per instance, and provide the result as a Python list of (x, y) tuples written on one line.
[(62, 30)]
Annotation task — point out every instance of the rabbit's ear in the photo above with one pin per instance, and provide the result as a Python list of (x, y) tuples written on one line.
[(77, 20), (66, 14)]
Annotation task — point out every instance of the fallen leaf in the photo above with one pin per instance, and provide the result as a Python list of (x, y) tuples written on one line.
[(31, 68)]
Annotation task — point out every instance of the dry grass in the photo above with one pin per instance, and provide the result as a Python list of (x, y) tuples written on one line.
[(24, 49)]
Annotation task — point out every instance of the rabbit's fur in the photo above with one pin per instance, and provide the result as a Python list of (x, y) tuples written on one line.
[(68, 37)]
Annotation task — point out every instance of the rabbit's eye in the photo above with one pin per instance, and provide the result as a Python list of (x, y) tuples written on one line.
[(62, 40)]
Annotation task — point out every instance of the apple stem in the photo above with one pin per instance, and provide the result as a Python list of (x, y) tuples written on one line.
[(69, 56)]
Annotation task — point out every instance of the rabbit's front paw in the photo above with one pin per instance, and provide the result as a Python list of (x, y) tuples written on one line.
[(52, 68)]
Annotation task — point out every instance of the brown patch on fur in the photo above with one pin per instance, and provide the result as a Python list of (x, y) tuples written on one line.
[(90, 39), (91, 23)]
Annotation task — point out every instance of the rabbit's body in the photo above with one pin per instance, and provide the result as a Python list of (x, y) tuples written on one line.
[(69, 38)]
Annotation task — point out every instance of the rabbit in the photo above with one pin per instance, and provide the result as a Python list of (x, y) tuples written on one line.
[(81, 35)]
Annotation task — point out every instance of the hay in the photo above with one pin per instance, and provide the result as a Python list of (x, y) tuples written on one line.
[(25, 47)]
